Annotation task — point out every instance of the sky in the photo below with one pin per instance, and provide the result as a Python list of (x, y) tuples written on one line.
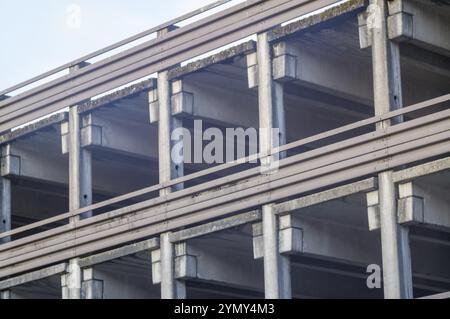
[(36, 36)]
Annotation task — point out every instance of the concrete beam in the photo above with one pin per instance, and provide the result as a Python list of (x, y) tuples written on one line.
[(335, 12), (28, 130), (148, 245), (29, 160), (125, 278), (422, 23), (91, 288), (290, 237), (428, 61), (336, 241), (325, 196), (185, 264), (206, 260), (424, 204), (209, 102), (213, 256), (4, 295), (216, 226), (320, 71), (33, 276), (226, 259), (421, 170), (419, 203), (43, 162), (444, 295), (110, 133), (301, 235), (223, 102), (115, 97), (221, 57)]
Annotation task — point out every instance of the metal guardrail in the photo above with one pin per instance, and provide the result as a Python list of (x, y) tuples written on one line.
[(197, 38), (364, 155)]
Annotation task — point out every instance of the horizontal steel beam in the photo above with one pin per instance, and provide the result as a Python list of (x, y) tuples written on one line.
[(210, 33)]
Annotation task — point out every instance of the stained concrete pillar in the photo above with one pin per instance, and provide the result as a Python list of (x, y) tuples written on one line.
[(5, 294), (5, 195), (80, 162), (91, 287), (182, 263), (272, 134), (80, 192), (168, 170), (388, 97), (71, 281), (170, 287)]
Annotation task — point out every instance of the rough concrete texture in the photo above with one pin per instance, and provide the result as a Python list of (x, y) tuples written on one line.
[(127, 92), (34, 127), (220, 57), (340, 11)]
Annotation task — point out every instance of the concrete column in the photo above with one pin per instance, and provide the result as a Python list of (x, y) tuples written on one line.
[(271, 104), (5, 294), (168, 170), (91, 288), (271, 115), (71, 281), (80, 191), (5, 200), (80, 163), (170, 288), (388, 97)]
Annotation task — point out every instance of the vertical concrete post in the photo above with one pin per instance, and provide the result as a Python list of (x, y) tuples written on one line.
[(5, 200), (71, 281), (80, 164), (271, 116), (397, 276), (167, 268), (271, 104), (5, 294), (80, 191), (168, 170), (91, 288)]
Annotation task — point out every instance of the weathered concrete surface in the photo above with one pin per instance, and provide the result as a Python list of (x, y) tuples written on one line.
[(34, 128), (126, 93), (420, 22), (328, 16), (221, 57)]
